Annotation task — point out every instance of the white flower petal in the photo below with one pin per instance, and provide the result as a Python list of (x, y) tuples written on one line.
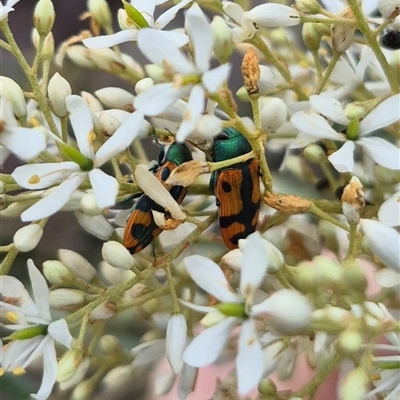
[(195, 107), (159, 97), (121, 139), (49, 371), (100, 42), (273, 15), (286, 310), (44, 175), (105, 187), (12, 287), (249, 361), (314, 125), (330, 108), (383, 115), (196, 307), (165, 18), (59, 331), (159, 49), (387, 278), (210, 278), (157, 192), (254, 265), (25, 143), (389, 211), (53, 201), (40, 290), (176, 341), (343, 159), (18, 352), (207, 346), (199, 31), (216, 77), (233, 11), (302, 140), (381, 151), (384, 242), (82, 124), (178, 39)]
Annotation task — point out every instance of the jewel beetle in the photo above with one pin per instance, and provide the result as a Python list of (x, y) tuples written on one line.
[(236, 188), (140, 229)]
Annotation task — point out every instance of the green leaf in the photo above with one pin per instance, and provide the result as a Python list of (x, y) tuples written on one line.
[(135, 15)]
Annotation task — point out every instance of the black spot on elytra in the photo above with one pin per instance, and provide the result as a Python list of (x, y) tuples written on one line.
[(226, 187)]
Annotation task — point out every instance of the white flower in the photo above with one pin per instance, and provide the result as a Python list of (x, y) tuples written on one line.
[(176, 341), (313, 126), (241, 27), (389, 211), (384, 242), (70, 173), (285, 309), (273, 15), (25, 143), (191, 79), (4, 10), (27, 314), (146, 8)]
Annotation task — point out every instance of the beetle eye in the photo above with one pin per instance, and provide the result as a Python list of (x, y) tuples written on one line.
[(222, 136)]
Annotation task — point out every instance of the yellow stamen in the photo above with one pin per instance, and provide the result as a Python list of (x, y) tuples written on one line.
[(34, 179), (12, 316), (18, 371), (91, 136)]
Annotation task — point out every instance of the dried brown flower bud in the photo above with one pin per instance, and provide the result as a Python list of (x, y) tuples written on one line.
[(287, 204), (251, 71)]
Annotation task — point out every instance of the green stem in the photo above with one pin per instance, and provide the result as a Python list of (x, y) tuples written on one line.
[(335, 57), (323, 215), (7, 263)]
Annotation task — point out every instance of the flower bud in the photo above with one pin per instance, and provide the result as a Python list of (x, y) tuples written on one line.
[(13, 93), (342, 35), (107, 60), (315, 154), (308, 6), (350, 341), (267, 81), (332, 319), (100, 12), (133, 65), (67, 299), (251, 72), (354, 277), (223, 46), (16, 209), (114, 97), (80, 55), (273, 113), (77, 264), (27, 237), (273, 15), (104, 311), (388, 8), (354, 386), (59, 89), (242, 95), (84, 390), (43, 17), (97, 225), (68, 364), (109, 344), (117, 255), (57, 273), (89, 205), (311, 36)]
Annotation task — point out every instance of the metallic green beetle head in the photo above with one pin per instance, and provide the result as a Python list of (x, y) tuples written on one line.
[(230, 143), (178, 153)]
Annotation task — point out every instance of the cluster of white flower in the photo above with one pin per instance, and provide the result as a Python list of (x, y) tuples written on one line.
[(313, 270)]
